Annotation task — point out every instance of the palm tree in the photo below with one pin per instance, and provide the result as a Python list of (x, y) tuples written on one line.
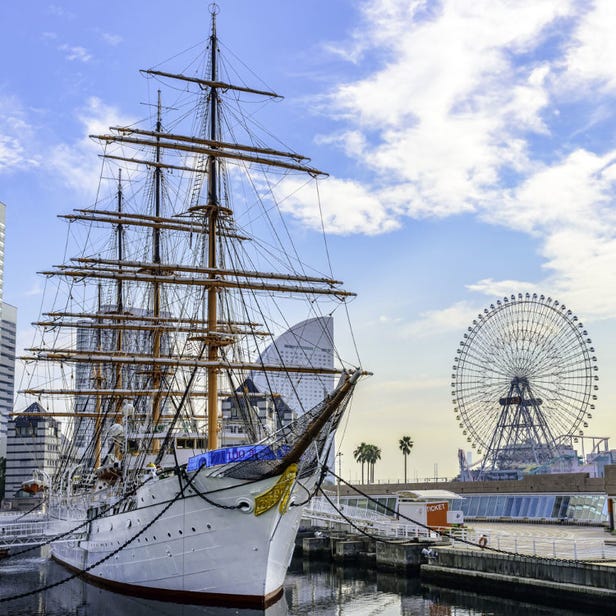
[(373, 454), (405, 444), (360, 456)]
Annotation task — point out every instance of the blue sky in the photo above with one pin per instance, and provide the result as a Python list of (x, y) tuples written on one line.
[(471, 148)]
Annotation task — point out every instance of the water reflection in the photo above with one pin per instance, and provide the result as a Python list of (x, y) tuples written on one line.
[(312, 588)]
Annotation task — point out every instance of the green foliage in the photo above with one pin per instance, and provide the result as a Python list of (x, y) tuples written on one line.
[(368, 454), (406, 445)]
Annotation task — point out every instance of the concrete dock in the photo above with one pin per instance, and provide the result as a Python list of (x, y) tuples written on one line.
[(589, 580), (540, 579)]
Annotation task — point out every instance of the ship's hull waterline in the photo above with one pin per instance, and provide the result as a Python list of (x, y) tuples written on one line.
[(196, 551)]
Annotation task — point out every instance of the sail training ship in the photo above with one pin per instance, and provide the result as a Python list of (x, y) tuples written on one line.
[(161, 316)]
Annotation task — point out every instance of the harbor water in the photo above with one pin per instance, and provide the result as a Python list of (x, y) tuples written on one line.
[(311, 588)]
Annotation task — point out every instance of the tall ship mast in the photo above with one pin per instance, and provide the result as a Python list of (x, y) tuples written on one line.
[(190, 445)]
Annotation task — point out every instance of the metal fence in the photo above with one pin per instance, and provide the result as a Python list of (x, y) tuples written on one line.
[(566, 548), (353, 519), (29, 532)]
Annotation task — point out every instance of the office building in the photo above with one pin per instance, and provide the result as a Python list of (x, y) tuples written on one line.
[(250, 415), (8, 327), (309, 344), (34, 443)]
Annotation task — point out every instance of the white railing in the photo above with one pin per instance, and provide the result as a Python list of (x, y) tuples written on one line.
[(29, 533), (360, 520), (567, 548)]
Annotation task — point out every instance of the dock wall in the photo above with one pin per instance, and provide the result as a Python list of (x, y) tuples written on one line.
[(548, 580)]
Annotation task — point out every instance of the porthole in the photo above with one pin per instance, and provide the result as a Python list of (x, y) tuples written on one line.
[(244, 505)]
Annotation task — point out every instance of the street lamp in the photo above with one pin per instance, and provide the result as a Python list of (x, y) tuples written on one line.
[(339, 456)]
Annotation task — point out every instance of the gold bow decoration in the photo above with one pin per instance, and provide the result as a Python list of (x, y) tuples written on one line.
[(279, 492)]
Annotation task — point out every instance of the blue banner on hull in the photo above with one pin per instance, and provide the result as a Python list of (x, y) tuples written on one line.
[(235, 454)]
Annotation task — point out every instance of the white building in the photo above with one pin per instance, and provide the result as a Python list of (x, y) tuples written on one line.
[(8, 325), (309, 344), (250, 415), (34, 443), (8, 329)]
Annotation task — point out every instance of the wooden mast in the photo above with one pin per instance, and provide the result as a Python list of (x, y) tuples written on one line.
[(156, 292), (212, 215), (98, 406), (118, 384)]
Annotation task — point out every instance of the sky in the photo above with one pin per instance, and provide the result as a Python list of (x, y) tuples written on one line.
[(471, 148)]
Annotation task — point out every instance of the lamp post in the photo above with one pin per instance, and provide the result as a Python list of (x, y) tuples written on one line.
[(339, 456)]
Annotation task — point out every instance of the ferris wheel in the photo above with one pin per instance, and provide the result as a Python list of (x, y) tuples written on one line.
[(525, 375)]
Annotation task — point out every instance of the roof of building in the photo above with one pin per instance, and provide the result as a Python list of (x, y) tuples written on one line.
[(30, 415), (428, 495)]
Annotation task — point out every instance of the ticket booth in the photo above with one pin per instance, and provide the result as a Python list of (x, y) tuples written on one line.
[(433, 508)]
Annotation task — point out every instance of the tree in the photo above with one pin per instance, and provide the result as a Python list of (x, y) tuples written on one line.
[(405, 444), (360, 456), (373, 454), (367, 454)]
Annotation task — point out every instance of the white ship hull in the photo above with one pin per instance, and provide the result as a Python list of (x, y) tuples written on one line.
[(195, 551)]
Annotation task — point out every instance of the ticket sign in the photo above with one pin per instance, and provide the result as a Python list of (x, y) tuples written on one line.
[(437, 514)]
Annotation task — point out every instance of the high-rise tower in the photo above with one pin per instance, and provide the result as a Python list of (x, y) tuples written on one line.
[(309, 343), (8, 326)]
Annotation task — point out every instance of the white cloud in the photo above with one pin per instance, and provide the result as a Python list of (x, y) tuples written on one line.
[(111, 39), (345, 205), (60, 11), (78, 162), (576, 191), (464, 114), (15, 136), (75, 52), (35, 290), (591, 55), (436, 322), (503, 288), (448, 112)]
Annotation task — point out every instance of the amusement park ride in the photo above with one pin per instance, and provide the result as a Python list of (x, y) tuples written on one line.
[(524, 384)]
